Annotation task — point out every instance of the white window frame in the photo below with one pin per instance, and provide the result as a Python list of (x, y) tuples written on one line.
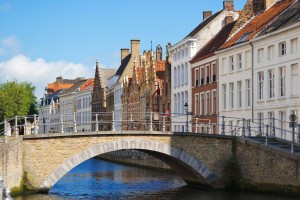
[(248, 93), (282, 48), (239, 94), (224, 97), (282, 81), (271, 83), (239, 61), (231, 95), (260, 85), (231, 63)]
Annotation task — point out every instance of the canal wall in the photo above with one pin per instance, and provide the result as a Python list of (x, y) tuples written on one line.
[(258, 167), (11, 165), (148, 162)]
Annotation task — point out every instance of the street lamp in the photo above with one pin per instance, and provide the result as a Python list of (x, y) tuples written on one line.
[(186, 109)]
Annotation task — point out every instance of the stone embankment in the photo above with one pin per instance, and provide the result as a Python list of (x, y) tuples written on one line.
[(137, 159)]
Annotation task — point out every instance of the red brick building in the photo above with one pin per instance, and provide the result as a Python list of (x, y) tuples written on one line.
[(204, 84)]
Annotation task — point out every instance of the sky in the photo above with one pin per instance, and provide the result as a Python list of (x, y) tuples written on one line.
[(40, 40)]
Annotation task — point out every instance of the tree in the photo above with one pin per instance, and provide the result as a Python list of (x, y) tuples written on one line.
[(17, 99)]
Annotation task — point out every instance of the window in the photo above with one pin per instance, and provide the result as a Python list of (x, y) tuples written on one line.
[(214, 72), (231, 95), (282, 75), (186, 74), (271, 122), (224, 96), (182, 75), (294, 45), (260, 54), (260, 85), (175, 104), (260, 117), (202, 103), (239, 94), (197, 77), (175, 77), (282, 49), (207, 74), (231, 64), (248, 93), (270, 52), (208, 103), (239, 61), (271, 88), (282, 124), (214, 102), (294, 80), (224, 68), (202, 75), (197, 104)]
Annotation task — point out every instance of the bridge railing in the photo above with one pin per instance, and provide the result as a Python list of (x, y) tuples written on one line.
[(147, 121), (4, 191)]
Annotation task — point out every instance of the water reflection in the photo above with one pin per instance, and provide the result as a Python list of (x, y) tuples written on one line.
[(97, 179)]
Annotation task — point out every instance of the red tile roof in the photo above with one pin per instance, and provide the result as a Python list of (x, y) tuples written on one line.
[(258, 23), (214, 44)]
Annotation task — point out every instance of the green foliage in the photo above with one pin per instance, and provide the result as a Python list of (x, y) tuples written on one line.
[(17, 99)]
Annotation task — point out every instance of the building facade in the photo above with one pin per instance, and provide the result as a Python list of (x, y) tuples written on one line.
[(182, 52), (276, 72)]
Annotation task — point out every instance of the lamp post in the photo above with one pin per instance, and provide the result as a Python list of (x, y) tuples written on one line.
[(186, 109)]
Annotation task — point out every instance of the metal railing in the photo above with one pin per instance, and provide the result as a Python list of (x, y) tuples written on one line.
[(4, 191), (148, 121)]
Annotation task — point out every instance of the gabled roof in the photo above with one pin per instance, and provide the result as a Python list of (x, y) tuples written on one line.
[(202, 25), (214, 44), (74, 87), (289, 17), (104, 75), (123, 65), (256, 25)]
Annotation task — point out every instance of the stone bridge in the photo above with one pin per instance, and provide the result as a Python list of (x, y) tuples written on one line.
[(37, 162)]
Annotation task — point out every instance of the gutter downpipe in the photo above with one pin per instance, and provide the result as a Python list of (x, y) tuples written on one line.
[(252, 75)]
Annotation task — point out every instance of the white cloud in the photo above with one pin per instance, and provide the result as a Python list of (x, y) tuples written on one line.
[(2, 52), (10, 44), (40, 72)]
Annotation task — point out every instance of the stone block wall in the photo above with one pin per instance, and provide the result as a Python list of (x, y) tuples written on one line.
[(266, 169), (11, 164)]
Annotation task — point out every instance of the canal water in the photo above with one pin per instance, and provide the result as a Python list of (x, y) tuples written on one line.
[(97, 179)]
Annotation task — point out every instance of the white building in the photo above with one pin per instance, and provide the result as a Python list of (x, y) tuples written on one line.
[(183, 51), (276, 72), (67, 106), (83, 108), (239, 96)]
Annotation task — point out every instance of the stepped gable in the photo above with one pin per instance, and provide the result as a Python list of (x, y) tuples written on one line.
[(256, 25), (288, 18), (214, 44)]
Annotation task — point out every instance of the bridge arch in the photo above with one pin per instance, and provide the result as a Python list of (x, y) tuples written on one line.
[(192, 170)]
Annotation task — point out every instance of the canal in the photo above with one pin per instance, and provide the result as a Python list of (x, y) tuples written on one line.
[(97, 179)]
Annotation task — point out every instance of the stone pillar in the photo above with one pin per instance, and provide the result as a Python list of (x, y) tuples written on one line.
[(16, 133), (151, 122), (113, 121), (74, 123), (61, 124), (96, 125)]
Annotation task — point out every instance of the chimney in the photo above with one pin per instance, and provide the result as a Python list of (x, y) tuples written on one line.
[(258, 6), (206, 14), (228, 5), (124, 53), (135, 48), (228, 20)]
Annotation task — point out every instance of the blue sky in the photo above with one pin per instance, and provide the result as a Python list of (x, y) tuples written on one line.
[(40, 40)]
